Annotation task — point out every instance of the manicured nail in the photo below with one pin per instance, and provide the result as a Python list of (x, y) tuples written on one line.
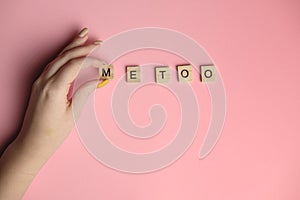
[(98, 42), (103, 83), (83, 32)]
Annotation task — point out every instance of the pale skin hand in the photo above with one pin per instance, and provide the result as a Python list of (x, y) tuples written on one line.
[(48, 120)]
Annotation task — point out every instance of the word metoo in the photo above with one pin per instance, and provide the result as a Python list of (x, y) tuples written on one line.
[(162, 73)]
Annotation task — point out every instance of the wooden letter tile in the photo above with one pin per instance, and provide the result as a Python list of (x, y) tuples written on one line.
[(106, 71), (184, 73), (133, 74), (162, 74), (208, 73)]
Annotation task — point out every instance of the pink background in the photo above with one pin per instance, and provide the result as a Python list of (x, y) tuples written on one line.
[(256, 47)]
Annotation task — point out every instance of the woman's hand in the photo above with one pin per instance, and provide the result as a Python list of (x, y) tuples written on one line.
[(48, 119)]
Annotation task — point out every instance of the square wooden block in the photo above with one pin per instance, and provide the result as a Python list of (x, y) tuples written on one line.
[(184, 73), (133, 74), (208, 73), (106, 71), (162, 74)]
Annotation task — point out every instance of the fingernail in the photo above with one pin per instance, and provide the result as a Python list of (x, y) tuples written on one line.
[(98, 42), (83, 32), (103, 83)]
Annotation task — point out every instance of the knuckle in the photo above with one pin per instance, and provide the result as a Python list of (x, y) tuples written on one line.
[(36, 84), (37, 81), (51, 63), (50, 89), (76, 61), (62, 56), (65, 55)]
